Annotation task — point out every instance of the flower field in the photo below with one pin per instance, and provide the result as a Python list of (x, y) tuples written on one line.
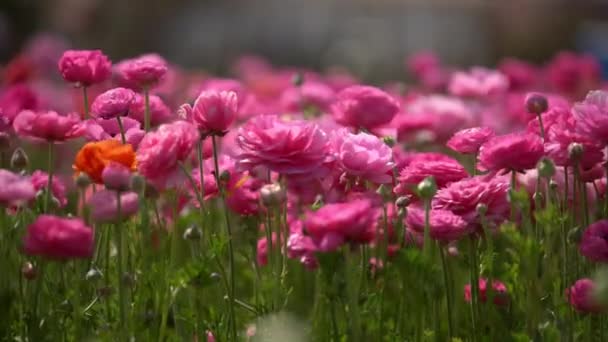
[(145, 202)]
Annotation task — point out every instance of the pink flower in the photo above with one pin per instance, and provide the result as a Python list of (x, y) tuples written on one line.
[(444, 171), (47, 126), (295, 148), (310, 95), (581, 296), (594, 243), (159, 112), (40, 181), (160, 153), (501, 297), (85, 67), (363, 156), (99, 129), (444, 225), (521, 75), (143, 71), (114, 102), (339, 223), (221, 84), (591, 115), (571, 73), (427, 68), (104, 205), (213, 112), (301, 246), (116, 177), (364, 107), (469, 140), (478, 82), (15, 189), (59, 238), (15, 99), (515, 151)]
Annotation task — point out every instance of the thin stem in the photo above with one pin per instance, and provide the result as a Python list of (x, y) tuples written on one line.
[(474, 279), (119, 248), (447, 285), (542, 128), (49, 187), (122, 130), (85, 99), (147, 109), (427, 247)]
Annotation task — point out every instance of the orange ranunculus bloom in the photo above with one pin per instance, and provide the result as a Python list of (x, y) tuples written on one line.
[(94, 156)]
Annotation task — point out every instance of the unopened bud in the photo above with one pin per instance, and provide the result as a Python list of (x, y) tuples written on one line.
[(546, 168), (481, 208), (575, 151), (272, 194), (138, 183), (388, 140), (402, 202), (536, 103), (82, 181), (19, 159), (28, 271), (553, 185), (318, 203), (225, 176), (574, 235), (427, 188), (298, 79), (193, 233), (93, 275)]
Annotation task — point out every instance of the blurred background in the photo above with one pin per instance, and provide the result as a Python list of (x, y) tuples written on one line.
[(369, 37)]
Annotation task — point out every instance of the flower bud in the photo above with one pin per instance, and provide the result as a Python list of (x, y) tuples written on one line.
[(481, 209), (536, 103), (215, 277), (93, 275), (575, 151), (574, 235), (225, 176), (19, 159), (453, 251), (28, 271), (427, 188), (546, 168), (553, 185), (402, 202), (272, 195), (138, 183), (538, 197), (193, 233), (116, 177), (389, 141), (298, 79), (82, 181)]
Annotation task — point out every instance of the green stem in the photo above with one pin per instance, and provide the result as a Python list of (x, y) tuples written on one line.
[(49, 187), (147, 109), (122, 130), (121, 288), (427, 247), (447, 285), (85, 99), (474, 279), (542, 128), (353, 295)]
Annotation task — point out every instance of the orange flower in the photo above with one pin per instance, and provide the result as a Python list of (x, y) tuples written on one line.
[(94, 156)]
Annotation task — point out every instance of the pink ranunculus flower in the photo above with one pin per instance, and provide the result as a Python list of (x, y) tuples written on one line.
[(99, 129), (113, 103), (591, 115), (218, 85), (15, 189), (17, 98), (427, 68), (293, 148), (310, 95), (40, 180), (521, 75), (444, 171), (47, 126), (444, 225), (338, 223), (104, 205), (515, 151), (116, 177), (213, 112), (500, 293), (572, 73), (140, 72), (160, 153), (59, 238), (160, 113), (594, 245), (85, 67), (301, 246), (469, 140), (364, 107), (581, 296), (478, 82), (363, 156)]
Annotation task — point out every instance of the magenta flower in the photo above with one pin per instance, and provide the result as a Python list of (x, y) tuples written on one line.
[(594, 243), (571, 73), (160, 153), (501, 296), (104, 206), (15, 189), (427, 68), (363, 156), (143, 71), (591, 115), (219, 85), (364, 107), (213, 112), (515, 151), (469, 140), (58, 238), (444, 171), (160, 113), (581, 296), (478, 82), (15, 99), (116, 177), (40, 181), (301, 246), (47, 126), (113, 103), (295, 148), (310, 95), (339, 223), (521, 75), (444, 225), (99, 129), (85, 67)]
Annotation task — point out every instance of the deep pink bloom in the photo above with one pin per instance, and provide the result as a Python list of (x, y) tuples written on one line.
[(427, 68), (104, 205), (47, 126), (160, 153), (99, 129), (40, 181), (159, 112), (444, 225), (478, 82), (315, 95), (301, 246), (501, 296), (469, 140), (221, 84), (363, 156), (114, 102), (591, 115), (59, 238), (594, 243), (364, 107), (116, 177), (15, 99), (515, 151), (521, 75), (295, 148), (572, 74), (444, 171), (213, 112), (85, 67), (581, 296), (15, 189), (143, 71), (338, 223)]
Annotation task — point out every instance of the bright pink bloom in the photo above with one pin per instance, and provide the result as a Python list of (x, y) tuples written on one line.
[(516, 151), (213, 112), (15, 189), (210, 337), (221, 84), (159, 112), (262, 249), (85, 67), (444, 225), (143, 71), (521, 75), (501, 296), (591, 115), (594, 243), (97, 130), (427, 68), (572, 74), (114, 102), (104, 205), (315, 95), (116, 177), (478, 82), (40, 181), (444, 171), (47, 126), (338, 223), (295, 148), (363, 156), (301, 246), (59, 238), (17, 98), (469, 140), (581, 296), (364, 107), (160, 153)]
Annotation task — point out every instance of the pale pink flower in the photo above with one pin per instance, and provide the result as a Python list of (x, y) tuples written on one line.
[(47, 126), (521, 75), (159, 112), (59, 238), (85, 67), (104, 206), (364, 107), (591, 115), (469, 140), (40, 181), (478, 82), (310, 95), (516, 151), (440, 116), (17, 98), (116, 177), (15, 189), (363, 156)]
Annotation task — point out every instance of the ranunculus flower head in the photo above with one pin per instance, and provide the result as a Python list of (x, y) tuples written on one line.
[(581, 296), (571, 73), (47, 126), (478, 82), (444, 171), (100, 129), (15, 189), (143, 71), (93, 157), (114, 102), (59, 238), (85, 67), (501, 296), (594, 243), (17, 98), (469, 140), (116, 176), (104, 205), (310, 95), (445, 226), (213, 112), (159, 112), (591, 115), (364, 107), (363, 156), (40, 180), (515, 151)]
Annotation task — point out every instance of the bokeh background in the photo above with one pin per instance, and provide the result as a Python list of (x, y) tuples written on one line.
[(369, 37)]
